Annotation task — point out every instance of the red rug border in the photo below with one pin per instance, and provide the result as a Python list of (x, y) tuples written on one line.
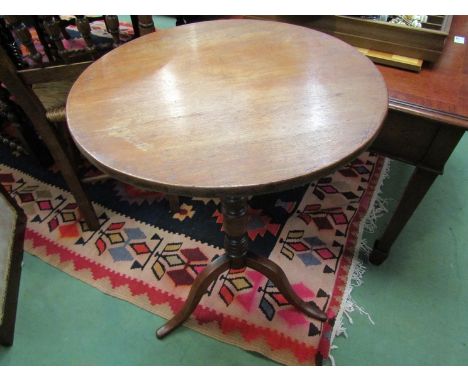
[(202, 314)]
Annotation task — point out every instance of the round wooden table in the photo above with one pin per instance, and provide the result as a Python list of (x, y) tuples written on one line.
[(229, 109)]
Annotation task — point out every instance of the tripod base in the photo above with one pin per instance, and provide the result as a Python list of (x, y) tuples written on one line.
[(221, 264), (201, 284), (234, 209)]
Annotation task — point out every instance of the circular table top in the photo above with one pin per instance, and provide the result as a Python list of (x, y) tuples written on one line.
[(227, 107)]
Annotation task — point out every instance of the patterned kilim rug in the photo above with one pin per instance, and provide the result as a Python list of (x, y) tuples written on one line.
[(148, 256)]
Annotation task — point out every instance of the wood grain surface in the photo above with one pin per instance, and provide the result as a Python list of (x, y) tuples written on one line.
[(227, 107), (440, 90)]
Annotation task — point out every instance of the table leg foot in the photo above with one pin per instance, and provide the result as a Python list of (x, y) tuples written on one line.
[(278, 277), (199, 287), (237, 256), (378, 256), (6, 339)]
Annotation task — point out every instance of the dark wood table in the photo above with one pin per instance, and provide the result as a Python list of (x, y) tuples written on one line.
[(428, 115), (228, 109)]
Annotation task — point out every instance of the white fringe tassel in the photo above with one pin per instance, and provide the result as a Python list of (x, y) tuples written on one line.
[(377, 209), (379, 206)]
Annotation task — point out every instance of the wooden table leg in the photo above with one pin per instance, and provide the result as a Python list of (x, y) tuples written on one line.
[(174, 203), (276, 275), (417, 187), (199, 287), (427, 170), (237, 256)]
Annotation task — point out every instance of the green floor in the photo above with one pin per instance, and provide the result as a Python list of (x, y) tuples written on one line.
[(160, 22), (418, 300)]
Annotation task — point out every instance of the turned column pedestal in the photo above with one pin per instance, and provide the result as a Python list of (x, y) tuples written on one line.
[(237, 256)]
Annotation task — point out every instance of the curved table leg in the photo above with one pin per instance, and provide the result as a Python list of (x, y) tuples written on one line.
[(201, 284), (278, 277), (237, 256)]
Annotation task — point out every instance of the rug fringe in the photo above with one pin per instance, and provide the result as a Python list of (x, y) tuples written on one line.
[(378, 207)]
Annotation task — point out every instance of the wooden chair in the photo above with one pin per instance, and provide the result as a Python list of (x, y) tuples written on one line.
[(12, 229), (41, 83)]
